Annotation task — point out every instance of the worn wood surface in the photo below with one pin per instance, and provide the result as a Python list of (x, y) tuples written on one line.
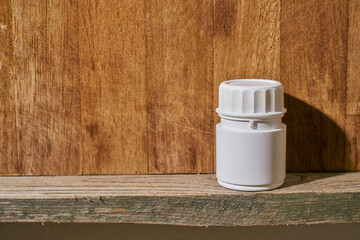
[(353, 58), (47, 87), (180, 86), (246, 40), (131, 87), (313, 72), (179, 199), (8, 143), (352, 158), (113, 87)]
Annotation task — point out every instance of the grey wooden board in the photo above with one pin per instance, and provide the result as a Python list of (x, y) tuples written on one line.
[(179, 199)]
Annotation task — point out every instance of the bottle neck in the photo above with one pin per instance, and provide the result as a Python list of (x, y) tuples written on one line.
[(253, 124)]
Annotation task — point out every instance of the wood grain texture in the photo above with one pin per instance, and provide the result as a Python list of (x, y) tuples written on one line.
[(131, 87), (8, 144), (353, 58), (47, 89), (113, 87), (313, 72), (180, 86), (246, 40), (352, 156), (194, 200)]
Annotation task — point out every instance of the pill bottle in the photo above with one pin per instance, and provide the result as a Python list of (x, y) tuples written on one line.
[(251, 138)]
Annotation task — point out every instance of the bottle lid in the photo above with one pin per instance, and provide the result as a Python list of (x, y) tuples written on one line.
[(251, 98)]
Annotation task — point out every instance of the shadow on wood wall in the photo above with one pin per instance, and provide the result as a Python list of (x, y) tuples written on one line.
[(314, 141)]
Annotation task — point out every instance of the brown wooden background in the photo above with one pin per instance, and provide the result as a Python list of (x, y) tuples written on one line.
[(130, 87)]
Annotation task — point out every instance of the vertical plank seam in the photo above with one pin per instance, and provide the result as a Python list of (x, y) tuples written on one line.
[(346, 85), (80, 99), (16, 99), (80, 90), (48, 93), (213, 81), (15, 95), (147, 153)]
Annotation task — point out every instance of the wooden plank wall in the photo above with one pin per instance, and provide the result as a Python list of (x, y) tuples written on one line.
[(130, 87), (179, 74), (352, 129), (313, 72), (113, 87)]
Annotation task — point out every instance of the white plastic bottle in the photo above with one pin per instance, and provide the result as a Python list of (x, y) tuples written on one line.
[(251, 138)]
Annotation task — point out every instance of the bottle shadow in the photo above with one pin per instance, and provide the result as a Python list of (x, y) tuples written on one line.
[(293, 179), (315, 143)]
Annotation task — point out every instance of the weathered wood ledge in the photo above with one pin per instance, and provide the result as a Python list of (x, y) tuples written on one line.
[(190, 199)]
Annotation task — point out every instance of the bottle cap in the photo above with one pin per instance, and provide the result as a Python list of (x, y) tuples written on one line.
[(251, 98)]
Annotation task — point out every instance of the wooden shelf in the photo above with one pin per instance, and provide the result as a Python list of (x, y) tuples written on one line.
[(179, 199)]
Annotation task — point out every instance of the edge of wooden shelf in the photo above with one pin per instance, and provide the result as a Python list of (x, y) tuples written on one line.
[(188, 199)]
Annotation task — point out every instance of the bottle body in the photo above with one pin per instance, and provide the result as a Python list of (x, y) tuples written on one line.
[(251, 138), (250, 153)]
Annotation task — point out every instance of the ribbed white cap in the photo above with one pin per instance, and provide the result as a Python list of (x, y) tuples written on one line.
[(251, 98)]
